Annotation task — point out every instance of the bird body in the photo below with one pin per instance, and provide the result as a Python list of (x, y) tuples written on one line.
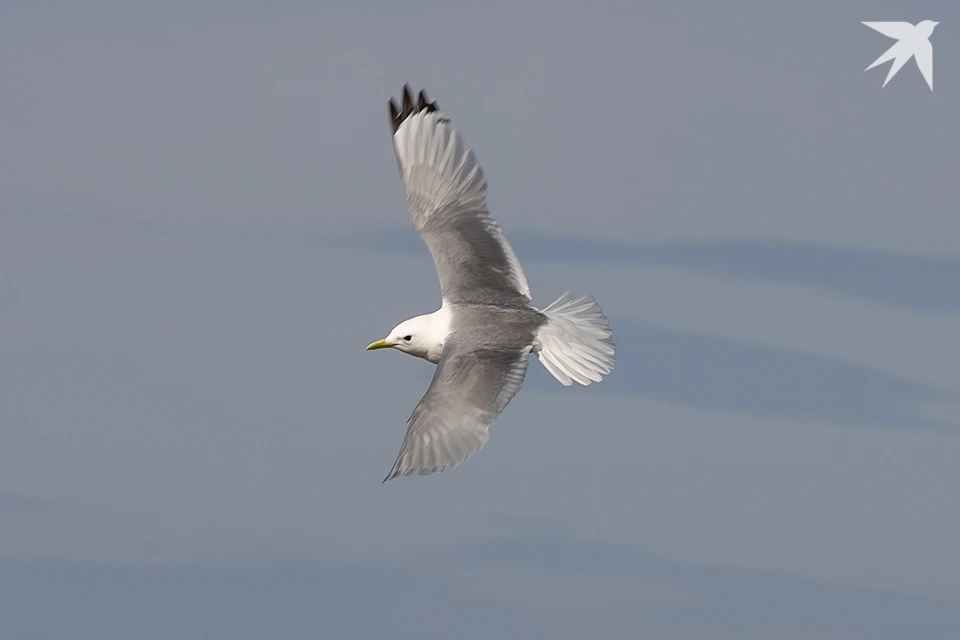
[(485, 329)]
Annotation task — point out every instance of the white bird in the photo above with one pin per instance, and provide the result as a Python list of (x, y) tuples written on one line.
[(912, 42), (485, 329)]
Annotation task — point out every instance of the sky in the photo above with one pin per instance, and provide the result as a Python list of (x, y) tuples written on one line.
[(202, 226)]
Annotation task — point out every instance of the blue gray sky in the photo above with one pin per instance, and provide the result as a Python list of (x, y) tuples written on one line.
[(201, 227)]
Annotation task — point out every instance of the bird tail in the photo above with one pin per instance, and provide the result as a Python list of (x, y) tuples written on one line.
[(575, 343)]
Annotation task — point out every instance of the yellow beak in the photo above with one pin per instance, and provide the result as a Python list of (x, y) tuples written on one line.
[(379, 344)]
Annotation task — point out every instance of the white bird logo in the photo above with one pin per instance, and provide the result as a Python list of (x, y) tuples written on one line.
[(912, 42)]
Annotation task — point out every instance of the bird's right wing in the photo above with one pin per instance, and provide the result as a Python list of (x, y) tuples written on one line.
[(470, 388), (898, 30), (924, 58), (446, 194)]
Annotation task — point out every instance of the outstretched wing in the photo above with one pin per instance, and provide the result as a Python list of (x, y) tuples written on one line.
[(446, 194), (898, 30), (902, 56), (470, 388), (891, 53), (924, 58)]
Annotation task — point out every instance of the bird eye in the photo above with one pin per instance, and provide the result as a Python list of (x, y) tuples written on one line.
[(408, 338)]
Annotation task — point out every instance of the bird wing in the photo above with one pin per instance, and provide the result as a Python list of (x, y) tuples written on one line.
[(903, 54), (446, 194), (471, 386), (924, 58), (898, 30), (891, 53)]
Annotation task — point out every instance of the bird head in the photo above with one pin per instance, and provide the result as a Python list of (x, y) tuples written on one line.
[(926, 27), (408, 337)]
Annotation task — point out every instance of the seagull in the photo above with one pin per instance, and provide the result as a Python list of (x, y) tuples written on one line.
[(485, 329), (912, 42)]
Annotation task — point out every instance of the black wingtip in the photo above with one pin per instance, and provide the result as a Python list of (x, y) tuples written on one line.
[(407, 99), (423, 102), (394, 114), (408, 107), (393, 472)]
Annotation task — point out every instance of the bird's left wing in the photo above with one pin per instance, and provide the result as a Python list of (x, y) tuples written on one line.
[(471, 386)]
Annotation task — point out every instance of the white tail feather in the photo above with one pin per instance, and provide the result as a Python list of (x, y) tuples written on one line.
[(575, 343)]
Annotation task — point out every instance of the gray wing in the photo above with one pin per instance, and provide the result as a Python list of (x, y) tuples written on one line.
[(470, 388), (446, 194), (924, 57), (898, 30)]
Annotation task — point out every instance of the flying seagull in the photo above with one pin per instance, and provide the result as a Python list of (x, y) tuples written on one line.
[(912, 42), (483, 333)]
